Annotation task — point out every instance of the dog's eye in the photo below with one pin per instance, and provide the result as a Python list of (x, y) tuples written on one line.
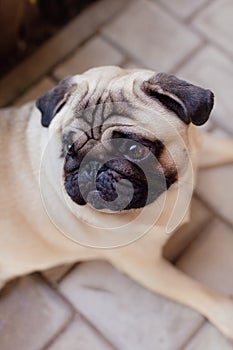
[(137, 151), (133, 150), (70, 148)]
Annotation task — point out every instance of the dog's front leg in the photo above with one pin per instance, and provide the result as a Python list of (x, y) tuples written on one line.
[(161, 277)]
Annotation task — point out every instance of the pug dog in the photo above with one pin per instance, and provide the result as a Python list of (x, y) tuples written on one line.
[(103, 167)]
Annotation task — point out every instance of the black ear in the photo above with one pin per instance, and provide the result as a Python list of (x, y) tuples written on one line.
[(52, 101), (191, 103)]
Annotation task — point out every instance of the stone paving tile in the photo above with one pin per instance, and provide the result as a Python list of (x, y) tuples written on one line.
[(200, 216), (55, 49), (155, 40), (209, 338), (183, 8), (214, 186), (210, 68), (216, 23), (44, 85), (30, 315), (80, 336), (209, 258), (55, 274), (110, 301), (96, 52)]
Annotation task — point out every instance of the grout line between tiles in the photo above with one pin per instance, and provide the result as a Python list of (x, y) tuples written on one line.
[(186, 343)]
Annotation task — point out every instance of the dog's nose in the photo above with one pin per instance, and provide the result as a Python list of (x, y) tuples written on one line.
[(87, 176), (89, 170)]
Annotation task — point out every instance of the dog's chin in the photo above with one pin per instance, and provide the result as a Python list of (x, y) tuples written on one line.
[(97, 201)]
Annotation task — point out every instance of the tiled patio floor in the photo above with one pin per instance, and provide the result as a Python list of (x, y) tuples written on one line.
[(55, 310)]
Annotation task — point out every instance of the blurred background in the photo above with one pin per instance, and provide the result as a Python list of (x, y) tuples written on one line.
[(92, 305), (28, 23)]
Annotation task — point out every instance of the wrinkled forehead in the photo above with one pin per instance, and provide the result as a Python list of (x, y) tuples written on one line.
[(114, 74), (110, 84), (110, 97), (161, 92)]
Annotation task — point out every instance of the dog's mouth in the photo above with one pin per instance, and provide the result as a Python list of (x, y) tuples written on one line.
[(113, 190), (107, 187)]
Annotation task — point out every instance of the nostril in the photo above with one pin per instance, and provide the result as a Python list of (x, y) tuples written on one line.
[(88, 175)]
